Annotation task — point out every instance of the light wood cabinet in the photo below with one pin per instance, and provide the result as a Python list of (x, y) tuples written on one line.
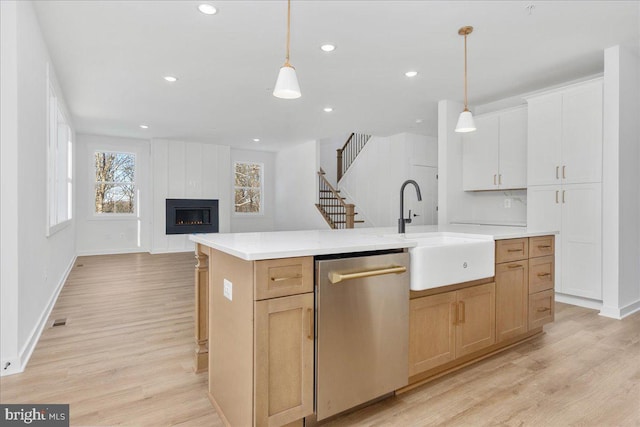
[(450, 325), (512, 299), (261, 338), (494, 156), (283, 358)]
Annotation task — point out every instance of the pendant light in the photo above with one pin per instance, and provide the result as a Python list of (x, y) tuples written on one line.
[(465, 121), (287, 84)]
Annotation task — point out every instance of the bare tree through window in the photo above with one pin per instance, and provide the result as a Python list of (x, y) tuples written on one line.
[(115, 182), (248, 187)]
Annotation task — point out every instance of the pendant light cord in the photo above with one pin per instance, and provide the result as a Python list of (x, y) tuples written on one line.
[(465, 73), (288, 32)]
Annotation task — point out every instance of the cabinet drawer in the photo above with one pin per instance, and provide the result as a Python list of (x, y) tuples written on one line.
[(541, 308), (541, 274), (281, 277), (541, 246), (512, 250)]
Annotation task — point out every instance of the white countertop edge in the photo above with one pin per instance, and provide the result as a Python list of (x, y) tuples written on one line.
[(325, 242)]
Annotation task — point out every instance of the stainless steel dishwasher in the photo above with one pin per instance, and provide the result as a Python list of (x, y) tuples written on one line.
[(362, 309)]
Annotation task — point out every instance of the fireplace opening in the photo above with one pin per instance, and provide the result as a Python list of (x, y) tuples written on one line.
[(186, 216)]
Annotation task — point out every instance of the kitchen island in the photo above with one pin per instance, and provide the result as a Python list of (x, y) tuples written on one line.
[(255, 312)]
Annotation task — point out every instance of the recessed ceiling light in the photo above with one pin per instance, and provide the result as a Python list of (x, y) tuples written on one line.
[(328, 47), (328, 109), (419, 120), (256, 140), (411, 73), (171, 79), (207, 9), (144, 126)]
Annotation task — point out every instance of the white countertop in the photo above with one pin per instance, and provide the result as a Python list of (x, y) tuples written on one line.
[(285, 244)]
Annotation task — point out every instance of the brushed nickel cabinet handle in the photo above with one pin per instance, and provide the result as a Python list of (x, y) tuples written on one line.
[(557, 196), (543, 309), (544, 274), (514, 266), (339, 277), (500, 179), (544, 246), (282, 279), (462, 311), (514, 250), (494, 179), (557, 172), (310, 314), (564, 176), (563, 191)]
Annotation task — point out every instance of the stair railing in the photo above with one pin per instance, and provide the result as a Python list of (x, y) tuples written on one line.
[(349, 151), (331, 205)]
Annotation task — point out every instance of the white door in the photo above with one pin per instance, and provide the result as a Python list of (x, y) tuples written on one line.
[(544, 139), (480, 155), (582, 134), (582, 240), (424, 212), (513, 149)]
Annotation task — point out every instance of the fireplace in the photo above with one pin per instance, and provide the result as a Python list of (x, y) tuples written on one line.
[(186, 216)]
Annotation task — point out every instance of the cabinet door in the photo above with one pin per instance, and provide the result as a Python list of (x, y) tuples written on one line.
[(582, 134), (283, 357), (512, 299), (544, 208), (513, 149), (476, 324), (480, 155), (581, 241), (544, 139), (431, 331)]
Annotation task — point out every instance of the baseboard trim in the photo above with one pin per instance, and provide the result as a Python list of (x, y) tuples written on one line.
[(112, 252), (620, 312), (579, 301), (171, 251), (19, 365)]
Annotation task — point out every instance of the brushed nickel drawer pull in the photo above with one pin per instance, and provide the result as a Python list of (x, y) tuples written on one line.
[(564, 176), (500, 179), (544, 246), (543, 309), (514, 266), (282, 279), (557, 172), (544, 274), (557, 196), (462, 311), (514, 250), (339, 277), (494, 179)]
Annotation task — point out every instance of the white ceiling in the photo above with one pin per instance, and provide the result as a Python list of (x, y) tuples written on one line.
[(110, 57)]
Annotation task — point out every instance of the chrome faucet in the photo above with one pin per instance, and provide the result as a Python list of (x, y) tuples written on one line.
[(403, 221)]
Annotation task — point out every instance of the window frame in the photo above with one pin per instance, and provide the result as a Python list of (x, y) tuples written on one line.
[(59, 210), (92, 191), (262, 199)]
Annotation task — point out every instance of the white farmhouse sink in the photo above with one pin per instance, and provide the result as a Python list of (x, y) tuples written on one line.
[(442, 259)]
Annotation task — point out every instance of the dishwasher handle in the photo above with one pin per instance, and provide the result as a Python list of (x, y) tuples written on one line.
[(335, 277)]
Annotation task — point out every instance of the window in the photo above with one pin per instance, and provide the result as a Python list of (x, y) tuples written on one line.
[(248, 188), (115, 187), (59, 165)]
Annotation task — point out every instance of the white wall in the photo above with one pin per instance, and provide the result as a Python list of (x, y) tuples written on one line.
[(456, 205), (373, 180), (297, 187), (621, 182), (188, 170), (108, 234), (265, 221), (34, 267)]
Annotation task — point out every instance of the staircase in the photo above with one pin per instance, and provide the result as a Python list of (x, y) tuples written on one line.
[(349, 151), (332, 206)]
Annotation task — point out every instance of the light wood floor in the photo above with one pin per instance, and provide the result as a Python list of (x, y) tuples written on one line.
[(125, 358)]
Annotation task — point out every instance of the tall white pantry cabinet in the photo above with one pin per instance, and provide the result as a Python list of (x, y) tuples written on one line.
[(564, 181)]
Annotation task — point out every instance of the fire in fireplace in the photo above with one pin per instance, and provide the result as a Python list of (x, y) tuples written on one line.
[(186, 216)]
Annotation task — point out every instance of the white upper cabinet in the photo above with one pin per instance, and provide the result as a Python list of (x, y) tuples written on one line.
[(494, 157), (565, 136)]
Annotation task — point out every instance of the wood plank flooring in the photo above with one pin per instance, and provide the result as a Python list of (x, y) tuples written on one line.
[(125, 358)]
